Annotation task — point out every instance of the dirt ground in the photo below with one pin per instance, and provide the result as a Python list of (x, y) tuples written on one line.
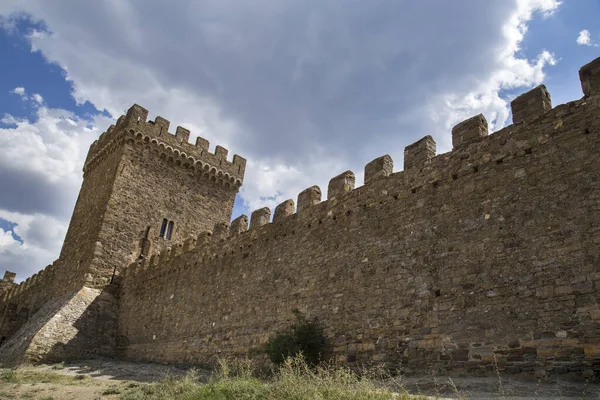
[(83, 380), (108, 379), (484, 388)]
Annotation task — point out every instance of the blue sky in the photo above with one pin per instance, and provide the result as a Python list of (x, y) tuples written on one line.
[(559, 34), (23, 67), (303, 90)]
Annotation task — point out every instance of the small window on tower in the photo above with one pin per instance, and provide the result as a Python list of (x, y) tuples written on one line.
[(163, 228), (169, 230)]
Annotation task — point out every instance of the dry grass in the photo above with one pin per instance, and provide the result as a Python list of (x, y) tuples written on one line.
[(31, 383), (106, 380), (24, 376), (295, 380)]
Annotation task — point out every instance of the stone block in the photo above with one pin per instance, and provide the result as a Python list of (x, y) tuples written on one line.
[(309, 197), (136, 115), (220, 231), (164, 255), (469, 131), (513, 370), (221, 152), (589, 75), (587, 374), (419, 153), (239, 225), (283, 210), (260, 217), (9, 276), (340, 185), (531, 105), (161, 125), (592, 351), (189, 244), (378, 168), (182, 134), (203, 238), (546, 352), (202, 143)]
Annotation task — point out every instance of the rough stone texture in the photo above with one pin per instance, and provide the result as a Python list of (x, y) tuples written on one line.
[(340, 185), (221, 231), (379, 168), (589, 75), (482, 258), (455, 267), (283, 210), (531, 105), (469, 131), (72, 325), (419, 153), (136, 175), (308, 198), (239, 225), (7, 282), (260, 217)]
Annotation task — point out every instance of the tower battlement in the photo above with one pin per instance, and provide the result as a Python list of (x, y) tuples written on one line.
[(133, 127)]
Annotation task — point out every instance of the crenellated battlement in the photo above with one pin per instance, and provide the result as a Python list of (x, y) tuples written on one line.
[(476, 152), (38, 286), (134, 128), (7, 282), (231, 240)]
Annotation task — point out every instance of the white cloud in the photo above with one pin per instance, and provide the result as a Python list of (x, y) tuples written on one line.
[(275, 182), (511, 72), (53, 147), (584, 38), (19, 90), (7, 240), (40, 175), (303, 90), (42, 239), (37, 98)]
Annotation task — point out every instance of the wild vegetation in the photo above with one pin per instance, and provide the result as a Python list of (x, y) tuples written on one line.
[(295, 379), (303, 337)]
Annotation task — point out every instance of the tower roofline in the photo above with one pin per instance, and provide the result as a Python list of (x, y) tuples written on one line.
[(134, 127)]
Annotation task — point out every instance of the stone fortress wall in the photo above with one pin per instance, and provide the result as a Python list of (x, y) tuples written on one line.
[(481, 258), (134, 178), (485, 256)]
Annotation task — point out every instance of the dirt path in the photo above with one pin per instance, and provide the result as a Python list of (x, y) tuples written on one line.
[(33, 384), (485, 388)]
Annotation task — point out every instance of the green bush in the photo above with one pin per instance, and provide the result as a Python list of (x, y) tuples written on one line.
[(304, 337)]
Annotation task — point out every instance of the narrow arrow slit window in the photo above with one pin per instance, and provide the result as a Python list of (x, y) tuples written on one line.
[(169, 230)]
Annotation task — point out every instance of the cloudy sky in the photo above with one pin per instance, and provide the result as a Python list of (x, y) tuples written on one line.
[(304, 89)]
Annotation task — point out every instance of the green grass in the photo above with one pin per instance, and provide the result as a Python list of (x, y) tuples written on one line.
[(295, 380), (111, 391), (8, 376), (25, 376)]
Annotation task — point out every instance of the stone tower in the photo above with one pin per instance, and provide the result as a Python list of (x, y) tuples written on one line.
[(143, 188)]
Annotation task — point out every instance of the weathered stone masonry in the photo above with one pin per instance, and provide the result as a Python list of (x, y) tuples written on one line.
[(136, 176), (484, 257)]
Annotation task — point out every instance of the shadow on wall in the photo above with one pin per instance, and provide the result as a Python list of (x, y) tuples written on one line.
[(75, 325)]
